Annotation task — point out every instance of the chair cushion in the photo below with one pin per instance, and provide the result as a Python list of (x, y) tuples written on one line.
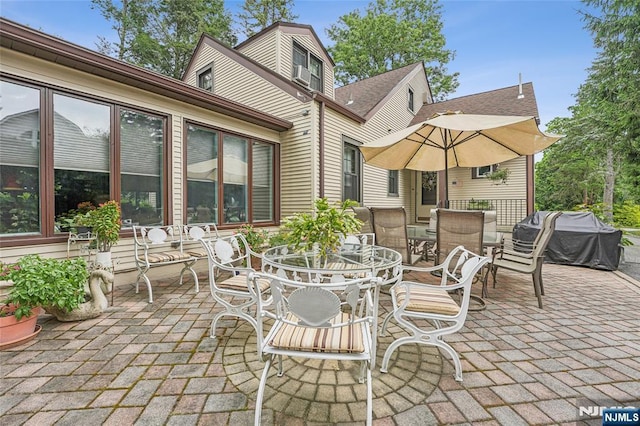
[(239, 282), (167, 256), (197, 252), (346, 339), (336, 266), (427, 300)]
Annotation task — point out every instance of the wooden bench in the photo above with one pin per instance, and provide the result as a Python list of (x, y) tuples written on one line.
[(161, 246)]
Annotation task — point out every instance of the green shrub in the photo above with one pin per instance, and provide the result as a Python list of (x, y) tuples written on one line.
[(627, 215)]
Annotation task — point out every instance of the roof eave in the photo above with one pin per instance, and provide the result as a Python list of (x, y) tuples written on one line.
[(30, 42)]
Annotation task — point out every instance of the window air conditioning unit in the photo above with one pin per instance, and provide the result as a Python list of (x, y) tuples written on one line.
[(302, 75)]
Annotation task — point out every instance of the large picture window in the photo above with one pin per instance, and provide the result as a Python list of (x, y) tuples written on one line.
[(244, 166), (20, 159), (141, 168), (96, 151)]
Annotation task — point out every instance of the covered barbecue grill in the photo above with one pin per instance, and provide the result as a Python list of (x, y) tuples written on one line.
[(580, 239)]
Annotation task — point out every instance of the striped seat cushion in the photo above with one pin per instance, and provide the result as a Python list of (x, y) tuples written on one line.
[(346, 339), (337, 266), (239, 282), (167, 256), (428, 300), (197, 252)]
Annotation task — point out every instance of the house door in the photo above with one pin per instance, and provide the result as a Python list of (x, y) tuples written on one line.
[(426, 194)]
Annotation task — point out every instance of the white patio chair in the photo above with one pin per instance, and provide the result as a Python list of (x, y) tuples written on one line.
[(229, 279), (414, 301), (331, 320)]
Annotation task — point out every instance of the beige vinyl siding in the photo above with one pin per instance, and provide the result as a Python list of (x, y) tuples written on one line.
[(14, 63), (467, 188), (295, 175), (393, 116), (263, 50), (240, 84), (203, 57), (297, 181)]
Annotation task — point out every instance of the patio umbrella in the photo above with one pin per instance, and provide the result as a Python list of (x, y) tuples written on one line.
[(457, 140)]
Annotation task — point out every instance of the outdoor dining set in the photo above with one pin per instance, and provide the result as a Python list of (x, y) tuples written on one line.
[(324, 305)]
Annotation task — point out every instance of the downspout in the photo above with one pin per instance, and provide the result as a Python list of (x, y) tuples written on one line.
[(321, 147)]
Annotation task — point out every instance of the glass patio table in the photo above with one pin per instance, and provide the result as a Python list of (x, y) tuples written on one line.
[(349, 261)]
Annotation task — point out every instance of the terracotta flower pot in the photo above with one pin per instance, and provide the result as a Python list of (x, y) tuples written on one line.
[(13, 332)]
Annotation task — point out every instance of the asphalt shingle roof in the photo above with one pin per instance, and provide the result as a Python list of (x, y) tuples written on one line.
[(368, 93), (495, 102)]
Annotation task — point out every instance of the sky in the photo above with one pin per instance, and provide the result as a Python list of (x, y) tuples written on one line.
[(494, 41)]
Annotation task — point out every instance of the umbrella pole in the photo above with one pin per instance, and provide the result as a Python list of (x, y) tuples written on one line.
[(446, 185), (446, 172)]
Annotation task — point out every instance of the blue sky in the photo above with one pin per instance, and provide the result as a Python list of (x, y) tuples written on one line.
[(493, 40)]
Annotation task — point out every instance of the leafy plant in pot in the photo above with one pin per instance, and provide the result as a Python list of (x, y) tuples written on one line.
[(106, 221), (322, 228), (42, 282), (256, 239)]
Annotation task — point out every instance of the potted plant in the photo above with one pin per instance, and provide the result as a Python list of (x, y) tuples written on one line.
[(322, 228), (499, 176), (106, 222), (256, 238), (39, 282)]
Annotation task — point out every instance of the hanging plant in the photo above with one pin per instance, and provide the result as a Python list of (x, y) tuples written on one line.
[(429, 180), (499, 176)]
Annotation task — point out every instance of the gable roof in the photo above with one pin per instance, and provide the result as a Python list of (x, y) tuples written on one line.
[(278, 80), (25, 40), (364, 96), (495, 102), (288, 27)]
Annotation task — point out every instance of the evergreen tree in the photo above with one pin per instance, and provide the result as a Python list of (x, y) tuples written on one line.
[(257, 15), (161, 35)]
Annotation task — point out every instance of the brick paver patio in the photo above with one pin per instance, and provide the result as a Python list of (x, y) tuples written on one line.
[(156, 364)]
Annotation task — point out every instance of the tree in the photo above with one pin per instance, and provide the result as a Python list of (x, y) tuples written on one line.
[(389, 35), (568, 174), (128, 17), (612, 90), (161, 34), (257, 15)]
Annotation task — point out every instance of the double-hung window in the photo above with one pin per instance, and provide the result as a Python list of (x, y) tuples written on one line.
[(308, 60), (351, 173)]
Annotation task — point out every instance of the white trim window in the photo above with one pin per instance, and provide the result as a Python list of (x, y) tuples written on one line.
[(482, 172)]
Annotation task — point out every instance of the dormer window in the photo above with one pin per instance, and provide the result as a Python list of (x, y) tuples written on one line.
[(310, 62), (205, 78)]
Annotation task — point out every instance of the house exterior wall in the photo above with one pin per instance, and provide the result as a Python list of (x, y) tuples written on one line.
[(467, 188), (274, 50), (265, 50), (391, 117), (39, 71), (231, 80)]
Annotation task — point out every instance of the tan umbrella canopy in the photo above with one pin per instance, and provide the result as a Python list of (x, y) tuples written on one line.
[(458, 140)]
